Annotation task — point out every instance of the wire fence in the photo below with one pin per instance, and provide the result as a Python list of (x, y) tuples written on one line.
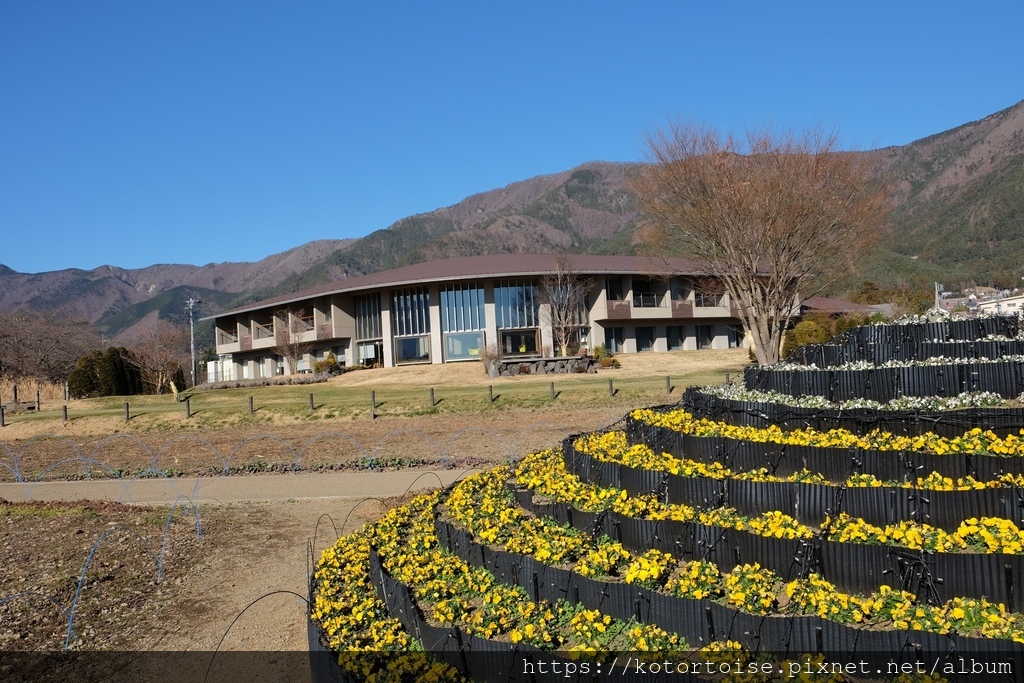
[(154, 549)]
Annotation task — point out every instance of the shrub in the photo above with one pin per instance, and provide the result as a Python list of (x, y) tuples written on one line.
[(266, 382), (329, 365), (805, 332)]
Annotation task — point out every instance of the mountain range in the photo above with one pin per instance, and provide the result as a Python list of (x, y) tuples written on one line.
[(959, 217)]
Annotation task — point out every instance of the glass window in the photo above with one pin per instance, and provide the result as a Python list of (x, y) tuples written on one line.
[(368, 324), (412, 349), (646, 294), (680, 289), (462, 307), (520, 342), (709, 299), (371, 353), (515, 303), (736, 336), (410, 315), (463, 345), (674, 335), (705, 336), (613, 287), (302, 320), (340, 354), (613, 339), (645, 339), (410, 311), (263, 327), (225, 337)]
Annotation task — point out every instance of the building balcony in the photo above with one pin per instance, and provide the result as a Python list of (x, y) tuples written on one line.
[(647, 300), (652, 307), (260, 331), (682, 309), (618, 310)]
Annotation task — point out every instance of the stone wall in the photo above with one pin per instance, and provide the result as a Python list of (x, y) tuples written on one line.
[(506, 367)]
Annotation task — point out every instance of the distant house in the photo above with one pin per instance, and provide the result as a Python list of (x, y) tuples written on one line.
[(457, 309), (1011, 305)]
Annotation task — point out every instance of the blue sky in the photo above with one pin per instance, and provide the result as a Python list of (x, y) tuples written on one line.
[(134, 133)]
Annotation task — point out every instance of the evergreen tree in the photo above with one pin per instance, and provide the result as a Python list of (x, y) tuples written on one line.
[(118, 378), (83, 382)]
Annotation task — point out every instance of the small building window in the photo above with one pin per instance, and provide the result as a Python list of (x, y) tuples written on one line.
[(613, 289), (736, 336), (645, 339), (705, 336), (675, 337), (680, 288), (614, 337)]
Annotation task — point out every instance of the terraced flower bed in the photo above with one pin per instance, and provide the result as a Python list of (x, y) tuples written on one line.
[(777, 551), (441, 547)]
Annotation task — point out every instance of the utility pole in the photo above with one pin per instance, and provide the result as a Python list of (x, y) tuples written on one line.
[(938, 292), (190, 306)]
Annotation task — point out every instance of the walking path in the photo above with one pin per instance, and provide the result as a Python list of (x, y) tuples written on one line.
[(235, 488)]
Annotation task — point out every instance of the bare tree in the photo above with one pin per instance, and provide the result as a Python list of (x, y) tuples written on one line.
[(768, 215), (288, 333), (160, 354), (43, 345), (564, 295)]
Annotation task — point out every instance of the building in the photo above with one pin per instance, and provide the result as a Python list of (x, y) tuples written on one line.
[(458, 309), (1010, 305)]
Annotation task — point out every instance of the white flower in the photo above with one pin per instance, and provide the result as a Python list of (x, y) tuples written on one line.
[(968, 399)]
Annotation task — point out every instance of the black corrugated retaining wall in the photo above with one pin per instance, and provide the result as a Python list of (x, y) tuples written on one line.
[(703, 621), (760, 414), (808, 503), (883, 343), (883, 384), (853, 567)]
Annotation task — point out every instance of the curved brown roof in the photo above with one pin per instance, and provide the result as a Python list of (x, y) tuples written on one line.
[(490, 265)]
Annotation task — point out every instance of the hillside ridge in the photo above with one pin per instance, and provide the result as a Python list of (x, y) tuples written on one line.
[(959, 216)]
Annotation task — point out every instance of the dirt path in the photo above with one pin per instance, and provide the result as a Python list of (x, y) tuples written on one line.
[(263, 549), (241, 596), (260, 536), (221, 490)]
